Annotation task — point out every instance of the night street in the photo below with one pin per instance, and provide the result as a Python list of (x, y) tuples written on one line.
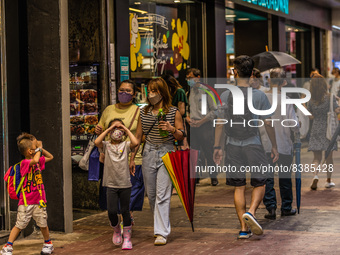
[(315, 231)]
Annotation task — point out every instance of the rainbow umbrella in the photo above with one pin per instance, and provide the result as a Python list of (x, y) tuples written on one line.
[(181, 168)]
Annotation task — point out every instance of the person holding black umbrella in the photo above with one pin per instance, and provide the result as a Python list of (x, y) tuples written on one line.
[(319, 107), (285, 149)]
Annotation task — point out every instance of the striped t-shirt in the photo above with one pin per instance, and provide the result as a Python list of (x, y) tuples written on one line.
[(153, 136)]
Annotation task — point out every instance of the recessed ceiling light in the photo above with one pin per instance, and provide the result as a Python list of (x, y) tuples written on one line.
[(177, 1), (230, 16), (138, 3), (243, 19)]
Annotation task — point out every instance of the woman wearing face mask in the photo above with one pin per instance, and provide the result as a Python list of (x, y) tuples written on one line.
[(116, 178), (129, 113), (156, 178), (179, 99)]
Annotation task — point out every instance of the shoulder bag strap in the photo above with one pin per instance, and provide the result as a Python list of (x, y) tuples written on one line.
[(133, 118), (331, 103)]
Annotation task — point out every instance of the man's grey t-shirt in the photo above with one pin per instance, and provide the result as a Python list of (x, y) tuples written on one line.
[(260, 102), (116, 165)]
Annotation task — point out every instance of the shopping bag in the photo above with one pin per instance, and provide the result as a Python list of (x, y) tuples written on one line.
[(332, 120), (94, 165), (304, 121), (84, 162)]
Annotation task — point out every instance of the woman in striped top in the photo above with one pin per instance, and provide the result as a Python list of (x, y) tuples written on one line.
[(156, 178)]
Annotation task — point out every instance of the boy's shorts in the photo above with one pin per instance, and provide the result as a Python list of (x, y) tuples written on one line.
[(241, 157), (25, 214)]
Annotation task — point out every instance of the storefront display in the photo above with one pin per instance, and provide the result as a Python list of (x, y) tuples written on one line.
[(83, 105), (158, 41)]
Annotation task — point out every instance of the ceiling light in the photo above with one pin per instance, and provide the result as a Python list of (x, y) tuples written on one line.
[(137, 10), (177, 1), (296, 30), (336, 27), (137, 3), (243, 19), (230, 16)]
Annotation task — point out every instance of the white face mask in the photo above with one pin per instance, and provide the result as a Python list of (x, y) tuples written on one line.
[(117, 135), (154, 99)]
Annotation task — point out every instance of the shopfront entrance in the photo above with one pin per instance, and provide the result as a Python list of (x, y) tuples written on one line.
[(251, 29)]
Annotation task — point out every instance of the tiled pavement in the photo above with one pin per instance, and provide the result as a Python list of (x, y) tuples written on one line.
[(315, 231)]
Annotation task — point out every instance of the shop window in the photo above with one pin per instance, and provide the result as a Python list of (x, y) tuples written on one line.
[(159, 39)]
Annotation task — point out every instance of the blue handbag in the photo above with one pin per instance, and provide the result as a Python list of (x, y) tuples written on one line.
[(94, 165)]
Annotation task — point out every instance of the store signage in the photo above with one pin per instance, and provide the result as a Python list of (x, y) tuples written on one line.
[(158, 19), (124, 68), (276, 5)]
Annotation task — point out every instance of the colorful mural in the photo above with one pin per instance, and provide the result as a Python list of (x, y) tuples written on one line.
[(135, 41), (179, 44)]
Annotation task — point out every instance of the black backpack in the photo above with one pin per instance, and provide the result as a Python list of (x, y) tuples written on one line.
[(239, 131)]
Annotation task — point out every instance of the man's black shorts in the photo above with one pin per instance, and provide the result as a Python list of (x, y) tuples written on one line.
[(242, 156)]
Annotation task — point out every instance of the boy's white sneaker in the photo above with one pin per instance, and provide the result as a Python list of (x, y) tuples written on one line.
[(47, 249), (7, 250)]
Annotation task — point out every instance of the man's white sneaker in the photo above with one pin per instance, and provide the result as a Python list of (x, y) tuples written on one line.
[(329, 185), (7, 250), (47, 249)]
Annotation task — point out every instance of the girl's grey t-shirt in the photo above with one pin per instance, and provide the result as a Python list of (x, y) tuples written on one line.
[(116, 165)]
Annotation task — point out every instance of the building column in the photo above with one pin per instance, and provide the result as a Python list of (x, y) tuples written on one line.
[(216, 39), (122, 33), (49, 102)]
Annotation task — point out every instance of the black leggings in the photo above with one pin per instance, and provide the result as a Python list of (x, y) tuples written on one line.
[(123, 197)]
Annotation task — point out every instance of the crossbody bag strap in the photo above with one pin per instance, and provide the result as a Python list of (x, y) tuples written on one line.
[(133, 118), (150, 128), (146, 134)]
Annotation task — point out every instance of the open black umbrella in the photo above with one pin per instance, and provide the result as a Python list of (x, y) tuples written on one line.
[(297, 148), (272, 59)]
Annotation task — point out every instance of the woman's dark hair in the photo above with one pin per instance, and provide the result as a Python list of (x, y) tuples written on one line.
[(244, 66), (132, 83), (160, 85), (318, 89), (172, 83)]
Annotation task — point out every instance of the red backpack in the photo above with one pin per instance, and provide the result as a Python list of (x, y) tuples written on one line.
[(14, 182)]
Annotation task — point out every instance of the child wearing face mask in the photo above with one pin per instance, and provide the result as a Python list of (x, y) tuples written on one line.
[(116, 178)]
